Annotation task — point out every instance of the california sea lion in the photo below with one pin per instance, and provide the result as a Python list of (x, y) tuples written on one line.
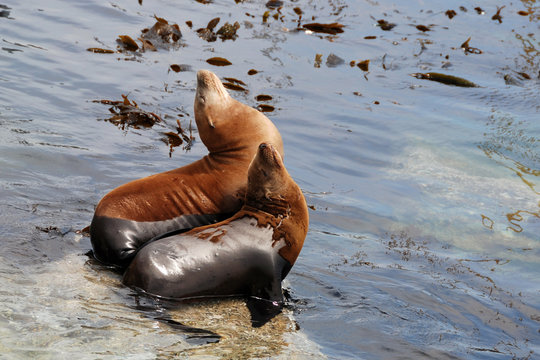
[(206, 191), (247, 254)]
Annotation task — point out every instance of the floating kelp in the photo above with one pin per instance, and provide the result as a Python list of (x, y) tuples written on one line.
[(318, 60), (370, 37), (363, 65), (263, 97), (218, 61), (127, 43), (450, 13), (497, 15), (423, 28), (445, 79), (516, 79), (212, 24), (161, 34), (233, 86), (252, 72), (180, 67), (234, 81), (207, 34), (228, 31), (333, 28), (524, 13), (100, 51), (175, 139), (385, 25), (147, 45), (265, 108), (468, 49), (127, 113), (479, 10), (274, 4)]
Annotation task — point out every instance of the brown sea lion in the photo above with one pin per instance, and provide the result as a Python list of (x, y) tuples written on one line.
[(201, 193), (247, 254)]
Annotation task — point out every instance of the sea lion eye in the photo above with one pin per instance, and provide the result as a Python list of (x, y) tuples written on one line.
[(264, 173)]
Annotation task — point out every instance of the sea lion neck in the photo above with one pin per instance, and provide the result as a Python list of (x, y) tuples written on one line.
[(276, 207)]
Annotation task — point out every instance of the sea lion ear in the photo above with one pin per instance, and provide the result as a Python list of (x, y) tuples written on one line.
[(211, 123)]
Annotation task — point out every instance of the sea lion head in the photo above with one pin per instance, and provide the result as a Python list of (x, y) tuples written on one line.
[(225, 124), (267, 176), (271, 190), (211, 103)]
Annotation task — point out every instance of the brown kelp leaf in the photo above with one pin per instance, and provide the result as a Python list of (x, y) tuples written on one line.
[(265, 108), (252, 72), (450, 13), (318, 60), (147, 44), (100, 51), (497, 15), (298, 11), (127, 42), (363, 65), (423, 28), (162, 31), (333, 28), (173, 139), (524, 13), (479, 10), (385, 25), (263, 97), (445, 79), (265, 16), (218, 61), (212, 23), (180, 67), (228, 31), (233, 86), (274, 4), (370, 37), (127, 113), (206, 34), (233, 80), (189, 23), (465, 46)]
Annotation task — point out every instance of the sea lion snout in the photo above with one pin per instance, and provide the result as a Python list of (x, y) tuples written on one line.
[(269, 154)]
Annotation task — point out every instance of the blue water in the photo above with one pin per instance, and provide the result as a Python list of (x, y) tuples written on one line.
[(425, 208)]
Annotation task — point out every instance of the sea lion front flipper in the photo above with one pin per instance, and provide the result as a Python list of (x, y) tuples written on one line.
[(265, 302)]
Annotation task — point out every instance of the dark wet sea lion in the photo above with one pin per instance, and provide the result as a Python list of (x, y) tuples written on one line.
[(201, 193), (247, 254)]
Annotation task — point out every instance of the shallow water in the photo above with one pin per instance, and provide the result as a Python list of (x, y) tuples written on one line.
[(424, 197)]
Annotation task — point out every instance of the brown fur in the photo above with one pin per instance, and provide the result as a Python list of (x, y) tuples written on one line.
[(274, 200), (213, 185)]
